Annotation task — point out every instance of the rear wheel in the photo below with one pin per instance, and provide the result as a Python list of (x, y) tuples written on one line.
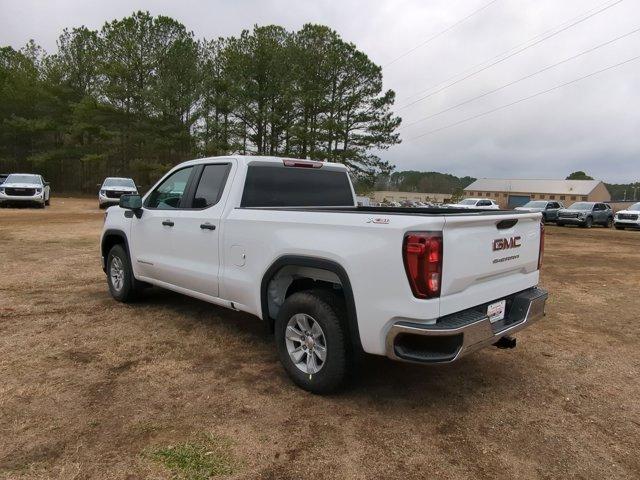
[(312, 341), (609, 222), (122, 285)]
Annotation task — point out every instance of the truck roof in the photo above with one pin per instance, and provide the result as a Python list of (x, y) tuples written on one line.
[(265, 160)]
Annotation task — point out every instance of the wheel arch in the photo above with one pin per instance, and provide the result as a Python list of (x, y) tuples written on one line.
[(321, 264), (111, 238)]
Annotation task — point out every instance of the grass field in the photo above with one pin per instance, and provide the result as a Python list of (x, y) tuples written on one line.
[(171, 387)]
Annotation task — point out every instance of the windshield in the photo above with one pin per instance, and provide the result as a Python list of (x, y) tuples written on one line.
[(467, 201), (118, 182), (20, 178), (635, 207), (535, 204), (581, 206)]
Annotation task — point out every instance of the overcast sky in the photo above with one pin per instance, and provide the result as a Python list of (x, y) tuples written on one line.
[(591, 125)]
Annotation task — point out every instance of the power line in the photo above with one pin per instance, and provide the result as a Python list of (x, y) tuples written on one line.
[(518, 51), (433, 37), (535, 37), (592, 49), (502, 107)]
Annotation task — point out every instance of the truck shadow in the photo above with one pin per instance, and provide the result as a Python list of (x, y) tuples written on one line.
[(375, 380)]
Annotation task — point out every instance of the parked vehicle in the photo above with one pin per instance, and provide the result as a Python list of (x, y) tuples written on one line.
[(25, 189), (586, 214), (113, 188), (3, 177), (548, 208), (476, 203), (629, 218), (284, 240)]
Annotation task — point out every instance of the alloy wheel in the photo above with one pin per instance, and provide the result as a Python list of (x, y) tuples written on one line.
[(116, 273), (306, 343)]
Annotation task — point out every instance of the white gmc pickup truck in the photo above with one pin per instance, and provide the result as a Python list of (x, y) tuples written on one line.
[(284, 240)]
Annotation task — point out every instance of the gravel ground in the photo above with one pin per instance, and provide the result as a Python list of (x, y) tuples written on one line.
[(90, 388)]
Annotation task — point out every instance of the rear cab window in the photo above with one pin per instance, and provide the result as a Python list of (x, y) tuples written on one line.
[(281, 186), (211, 185)]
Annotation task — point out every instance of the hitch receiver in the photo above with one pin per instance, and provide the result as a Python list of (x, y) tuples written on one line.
[(506, 342)]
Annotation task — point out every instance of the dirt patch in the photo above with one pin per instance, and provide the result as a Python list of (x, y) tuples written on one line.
[(88, 385)]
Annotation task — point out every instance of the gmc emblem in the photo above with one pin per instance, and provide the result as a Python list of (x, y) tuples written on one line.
[(506, 243)]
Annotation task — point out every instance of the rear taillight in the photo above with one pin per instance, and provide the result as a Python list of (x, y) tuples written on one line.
[(422, 254), (541, 251)]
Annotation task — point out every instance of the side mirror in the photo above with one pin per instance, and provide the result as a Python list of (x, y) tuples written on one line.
[(132, 202)]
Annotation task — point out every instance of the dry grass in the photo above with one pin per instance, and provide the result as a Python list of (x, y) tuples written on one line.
[(90, 388)]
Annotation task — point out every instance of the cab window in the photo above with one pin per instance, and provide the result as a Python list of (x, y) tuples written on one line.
[(168, 195)]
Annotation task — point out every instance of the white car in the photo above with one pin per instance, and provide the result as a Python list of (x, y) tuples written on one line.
[(283, 239), (629, 218), (113, 188), (477, 203), (25, 189)]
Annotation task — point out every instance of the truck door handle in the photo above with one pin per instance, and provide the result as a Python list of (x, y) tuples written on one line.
[(168, 223), (207, 226)]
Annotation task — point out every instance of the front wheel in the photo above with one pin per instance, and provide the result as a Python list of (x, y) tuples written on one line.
[(122, 285), (47, 202), (312, 341)]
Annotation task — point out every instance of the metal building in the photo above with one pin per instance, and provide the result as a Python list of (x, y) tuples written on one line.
[(510, 193)]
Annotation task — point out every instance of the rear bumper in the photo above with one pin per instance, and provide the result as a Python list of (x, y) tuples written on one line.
[(461, 333)]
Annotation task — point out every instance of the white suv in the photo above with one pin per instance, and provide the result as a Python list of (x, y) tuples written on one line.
[(113, 188), (477, 203), (25, 189), (628, 218)]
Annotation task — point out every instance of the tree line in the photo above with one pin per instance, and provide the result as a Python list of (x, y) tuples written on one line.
[(428, 182), (143, 94)]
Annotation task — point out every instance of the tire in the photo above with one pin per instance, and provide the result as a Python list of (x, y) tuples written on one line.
[(47, 202), (608, 223), (619, 227), (312, 309), (126, 289), (588, 223), (560, 224), (100, 206)]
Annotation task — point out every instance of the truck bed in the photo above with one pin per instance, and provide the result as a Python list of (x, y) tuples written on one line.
[(419, 211)]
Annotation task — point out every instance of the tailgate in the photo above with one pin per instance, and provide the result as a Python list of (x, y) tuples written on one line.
[(486, 257)]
